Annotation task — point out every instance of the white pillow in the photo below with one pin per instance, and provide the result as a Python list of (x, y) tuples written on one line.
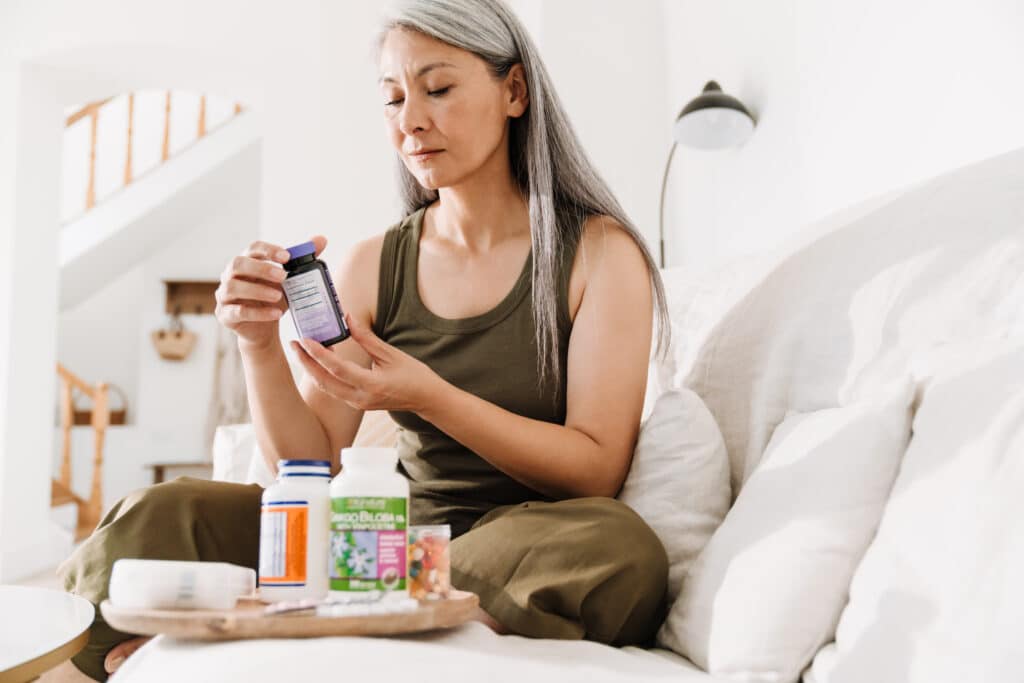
[(939, 596), (679, 479), (768, 588), (233, 451)]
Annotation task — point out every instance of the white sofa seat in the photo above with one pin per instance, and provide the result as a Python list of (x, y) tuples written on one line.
[(471, 653)]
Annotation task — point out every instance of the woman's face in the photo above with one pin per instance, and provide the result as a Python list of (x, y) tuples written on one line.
[(443, 100)]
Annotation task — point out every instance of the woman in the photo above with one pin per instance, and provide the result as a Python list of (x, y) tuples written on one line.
[(505, 323)]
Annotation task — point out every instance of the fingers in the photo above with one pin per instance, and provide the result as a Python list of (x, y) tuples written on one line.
[(233, 314), (371, 343), (267, 251), (320, 242), (257, 269), (234, 290), (322, 377), (345, 370), (115, 658)]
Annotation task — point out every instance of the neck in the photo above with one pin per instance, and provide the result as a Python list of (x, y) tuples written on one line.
[(484, 209)]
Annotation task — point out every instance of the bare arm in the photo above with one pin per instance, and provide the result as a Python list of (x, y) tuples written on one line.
[(357, 279), (291, 421)]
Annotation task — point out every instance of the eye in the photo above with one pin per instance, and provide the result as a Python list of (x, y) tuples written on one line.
[(433, 93)]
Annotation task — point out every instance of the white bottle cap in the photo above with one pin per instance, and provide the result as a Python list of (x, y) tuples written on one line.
[(361, 457)]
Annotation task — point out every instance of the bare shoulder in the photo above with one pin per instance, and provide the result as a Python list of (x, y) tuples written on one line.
[(606, 252), (356, 276), (605, 236)]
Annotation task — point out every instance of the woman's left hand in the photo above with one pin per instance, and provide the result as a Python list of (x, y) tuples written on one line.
[(396, 381)]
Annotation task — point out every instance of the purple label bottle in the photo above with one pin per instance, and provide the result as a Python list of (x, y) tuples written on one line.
[(312, 298)]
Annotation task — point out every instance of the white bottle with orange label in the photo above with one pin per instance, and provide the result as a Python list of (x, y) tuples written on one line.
[(294, 531)]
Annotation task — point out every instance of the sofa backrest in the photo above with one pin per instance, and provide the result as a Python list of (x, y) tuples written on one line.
[(939, 263)]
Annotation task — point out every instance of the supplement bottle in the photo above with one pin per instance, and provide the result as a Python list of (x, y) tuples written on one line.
[(294, 523), (369, 518), (312, 298)]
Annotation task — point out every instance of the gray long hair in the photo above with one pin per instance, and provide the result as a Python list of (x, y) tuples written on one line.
[(548, 162)]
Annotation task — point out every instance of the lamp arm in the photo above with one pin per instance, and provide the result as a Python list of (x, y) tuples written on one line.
[(661, 204)]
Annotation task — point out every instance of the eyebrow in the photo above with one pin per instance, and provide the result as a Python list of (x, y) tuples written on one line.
[(423, 70)]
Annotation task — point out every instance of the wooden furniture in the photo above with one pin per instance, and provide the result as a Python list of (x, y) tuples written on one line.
[(160, 468), (247, 620), (41, 628), (61, 493), (191, 296), (118, 416)]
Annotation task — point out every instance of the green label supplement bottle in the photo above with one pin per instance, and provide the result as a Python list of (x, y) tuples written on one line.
[(369, 522)]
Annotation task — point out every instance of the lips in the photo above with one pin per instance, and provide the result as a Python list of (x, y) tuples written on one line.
[(424, 152)]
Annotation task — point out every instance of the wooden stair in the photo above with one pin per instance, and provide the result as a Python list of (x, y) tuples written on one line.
[(89, 510)]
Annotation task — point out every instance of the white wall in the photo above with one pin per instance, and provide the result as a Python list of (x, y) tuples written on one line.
[(607, 61), (107, 337), (852, 99), (174, 395), (28, 343), (98, 340)]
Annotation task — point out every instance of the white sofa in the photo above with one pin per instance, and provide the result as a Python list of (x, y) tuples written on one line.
[(928, 283)]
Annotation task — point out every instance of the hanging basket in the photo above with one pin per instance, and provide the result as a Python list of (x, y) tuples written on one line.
[(174, 343), (118, 416)]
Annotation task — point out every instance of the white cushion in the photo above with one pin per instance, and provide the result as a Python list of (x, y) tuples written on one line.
[(237, 456), (679, 479), (939, 596), (470, 653), (233, 448), (259, 471), (938, 263), (767, 590)]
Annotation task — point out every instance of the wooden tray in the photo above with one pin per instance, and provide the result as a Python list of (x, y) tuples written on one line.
[(247, 620)]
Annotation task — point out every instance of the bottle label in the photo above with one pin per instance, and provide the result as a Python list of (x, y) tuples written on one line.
[(283, 528), (312, 305), (368, 543)]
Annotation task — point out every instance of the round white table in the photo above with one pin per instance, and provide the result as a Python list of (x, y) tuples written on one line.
[(39, 629)]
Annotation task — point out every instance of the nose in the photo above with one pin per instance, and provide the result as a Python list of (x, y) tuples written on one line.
[(413, 117)]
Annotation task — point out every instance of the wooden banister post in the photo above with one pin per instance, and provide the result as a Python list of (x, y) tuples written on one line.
[(90, 193), (66, 420), (128, 152), (202, 117), (89, 514), (167, 127)]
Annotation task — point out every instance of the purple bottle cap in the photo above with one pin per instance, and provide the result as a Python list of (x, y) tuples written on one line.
[(300, 250)]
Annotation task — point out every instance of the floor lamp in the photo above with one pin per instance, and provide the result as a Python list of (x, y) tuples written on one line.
[(712, 120)]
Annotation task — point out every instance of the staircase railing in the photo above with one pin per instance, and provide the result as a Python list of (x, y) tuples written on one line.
[(92, 110), (90, 509)]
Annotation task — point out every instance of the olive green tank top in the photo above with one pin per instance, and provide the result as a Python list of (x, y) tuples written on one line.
[(492, 355)]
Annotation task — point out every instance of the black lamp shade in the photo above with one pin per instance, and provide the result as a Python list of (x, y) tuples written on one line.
[(713, 120)]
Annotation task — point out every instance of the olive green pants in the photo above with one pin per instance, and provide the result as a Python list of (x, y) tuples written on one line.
[(579, 568)]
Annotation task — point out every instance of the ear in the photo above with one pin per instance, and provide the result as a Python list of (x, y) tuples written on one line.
[(518, 95)]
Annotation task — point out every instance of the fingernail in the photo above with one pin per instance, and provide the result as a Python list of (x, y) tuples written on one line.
[(283, 255), (115, 664)]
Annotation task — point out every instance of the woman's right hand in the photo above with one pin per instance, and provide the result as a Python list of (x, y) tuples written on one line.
[(250, 299)]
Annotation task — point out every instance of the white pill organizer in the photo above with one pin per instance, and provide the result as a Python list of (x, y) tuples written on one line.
[(174, 584)]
